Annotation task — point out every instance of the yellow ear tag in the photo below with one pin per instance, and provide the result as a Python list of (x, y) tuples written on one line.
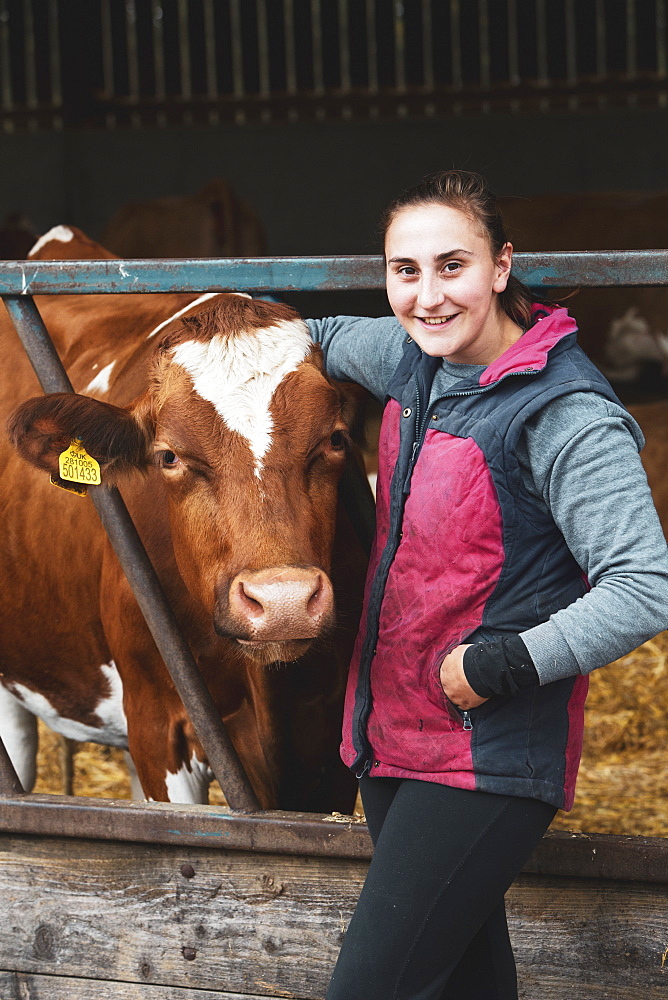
[(76, 465)]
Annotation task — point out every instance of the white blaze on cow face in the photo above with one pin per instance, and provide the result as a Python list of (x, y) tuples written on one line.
[(59, 233), (100, 383), (240, 374)]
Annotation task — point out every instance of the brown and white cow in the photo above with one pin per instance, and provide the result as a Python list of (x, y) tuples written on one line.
[(214, 416)]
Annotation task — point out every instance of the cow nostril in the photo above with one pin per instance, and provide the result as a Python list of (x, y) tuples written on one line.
[(251, 604), (312, 605)]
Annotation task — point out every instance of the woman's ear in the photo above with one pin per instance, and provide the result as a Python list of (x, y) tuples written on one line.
[(503, 265)]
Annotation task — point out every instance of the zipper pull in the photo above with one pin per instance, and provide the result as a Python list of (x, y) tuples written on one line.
[(468, 725), (366, 767)]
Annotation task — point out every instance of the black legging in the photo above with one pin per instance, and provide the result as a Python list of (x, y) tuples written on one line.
[(430, 923)]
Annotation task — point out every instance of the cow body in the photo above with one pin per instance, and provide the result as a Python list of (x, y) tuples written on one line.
[(212, 223), (215, 418)]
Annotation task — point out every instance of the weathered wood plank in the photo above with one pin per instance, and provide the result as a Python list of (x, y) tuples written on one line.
[(589, 936), (245, 923), (271, 925), (643, 859), (25, 986)]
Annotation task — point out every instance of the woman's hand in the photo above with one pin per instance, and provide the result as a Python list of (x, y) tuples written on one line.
[(454, 683)]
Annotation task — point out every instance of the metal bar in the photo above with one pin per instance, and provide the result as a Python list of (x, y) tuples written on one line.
[(107, 50), (601, 42), (399, 47), (210, 50), (210, 59), (316, 44), (427, 46), (631, 41), (290, 53), (571, 43), (263, 48), (238, 84), (588, 268), (541, 44), (344, 46), (185, 78), (132, 50), (9, 779), (513, 46), (55, 77), (5, 63), (483, 44), (594, 856), (29, 54), (455, 45), (158, 50), (371, 47), (142, 578)]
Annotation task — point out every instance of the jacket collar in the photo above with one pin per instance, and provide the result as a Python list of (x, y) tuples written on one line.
[(529, 353)]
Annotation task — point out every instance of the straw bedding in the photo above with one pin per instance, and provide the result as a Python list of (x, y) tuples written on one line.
[(623, 778)]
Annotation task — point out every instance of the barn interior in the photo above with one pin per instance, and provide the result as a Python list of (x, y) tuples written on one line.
[(305, 117)]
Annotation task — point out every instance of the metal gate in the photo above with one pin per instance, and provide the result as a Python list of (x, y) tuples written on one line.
[(133, 62)]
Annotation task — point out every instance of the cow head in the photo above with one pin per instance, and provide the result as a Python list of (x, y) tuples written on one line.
[(249, 438)]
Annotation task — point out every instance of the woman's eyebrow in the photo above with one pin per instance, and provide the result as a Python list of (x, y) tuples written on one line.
[(457, 252)]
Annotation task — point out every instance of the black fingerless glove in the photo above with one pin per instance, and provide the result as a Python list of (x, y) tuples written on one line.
[(500, 667)]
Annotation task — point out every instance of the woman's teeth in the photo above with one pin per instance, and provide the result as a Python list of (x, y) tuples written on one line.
[(436, 320)]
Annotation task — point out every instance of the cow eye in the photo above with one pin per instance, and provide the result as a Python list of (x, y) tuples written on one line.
[(337, 441), (168, 460)]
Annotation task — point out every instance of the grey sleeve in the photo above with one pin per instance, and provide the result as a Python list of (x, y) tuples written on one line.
[(360, 349), (593, 482)]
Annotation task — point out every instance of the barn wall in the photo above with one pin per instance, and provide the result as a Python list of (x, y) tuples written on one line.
[(319, 188)]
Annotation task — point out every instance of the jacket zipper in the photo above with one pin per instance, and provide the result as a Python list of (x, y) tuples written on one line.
[(420, 431), (420, 434)]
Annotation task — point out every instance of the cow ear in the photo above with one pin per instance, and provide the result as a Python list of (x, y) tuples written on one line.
[(354, 403), (43, 427)]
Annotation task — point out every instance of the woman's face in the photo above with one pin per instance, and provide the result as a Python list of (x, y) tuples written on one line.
[(443, 284)]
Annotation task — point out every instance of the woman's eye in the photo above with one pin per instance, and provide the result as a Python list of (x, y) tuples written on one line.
[(452, 266), (337, 441), (408, 271)]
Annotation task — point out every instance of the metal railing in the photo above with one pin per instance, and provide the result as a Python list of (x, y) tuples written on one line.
[(21, 280), (159, 61)]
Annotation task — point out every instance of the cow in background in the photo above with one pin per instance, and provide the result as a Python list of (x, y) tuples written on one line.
[(17, 236), (624, 330), (212, 223), (215, 416)]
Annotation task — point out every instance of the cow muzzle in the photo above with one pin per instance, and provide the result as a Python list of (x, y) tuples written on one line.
[(287, 604)]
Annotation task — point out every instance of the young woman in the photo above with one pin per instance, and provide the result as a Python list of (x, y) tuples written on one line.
[(517, 550)]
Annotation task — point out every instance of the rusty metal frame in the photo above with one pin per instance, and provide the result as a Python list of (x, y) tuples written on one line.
[(597, 856)]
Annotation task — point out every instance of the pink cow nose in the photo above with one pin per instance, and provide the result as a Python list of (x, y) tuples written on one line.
[(281, 604)]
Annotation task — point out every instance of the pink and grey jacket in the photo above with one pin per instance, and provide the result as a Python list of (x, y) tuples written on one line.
[(463, 553)]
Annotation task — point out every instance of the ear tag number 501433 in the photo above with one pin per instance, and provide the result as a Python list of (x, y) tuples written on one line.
[(76, 466)]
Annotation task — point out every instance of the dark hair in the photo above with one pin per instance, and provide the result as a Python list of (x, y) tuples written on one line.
[(468, 192)]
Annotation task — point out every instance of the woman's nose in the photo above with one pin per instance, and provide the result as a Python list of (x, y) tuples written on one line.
[(430, 294)]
